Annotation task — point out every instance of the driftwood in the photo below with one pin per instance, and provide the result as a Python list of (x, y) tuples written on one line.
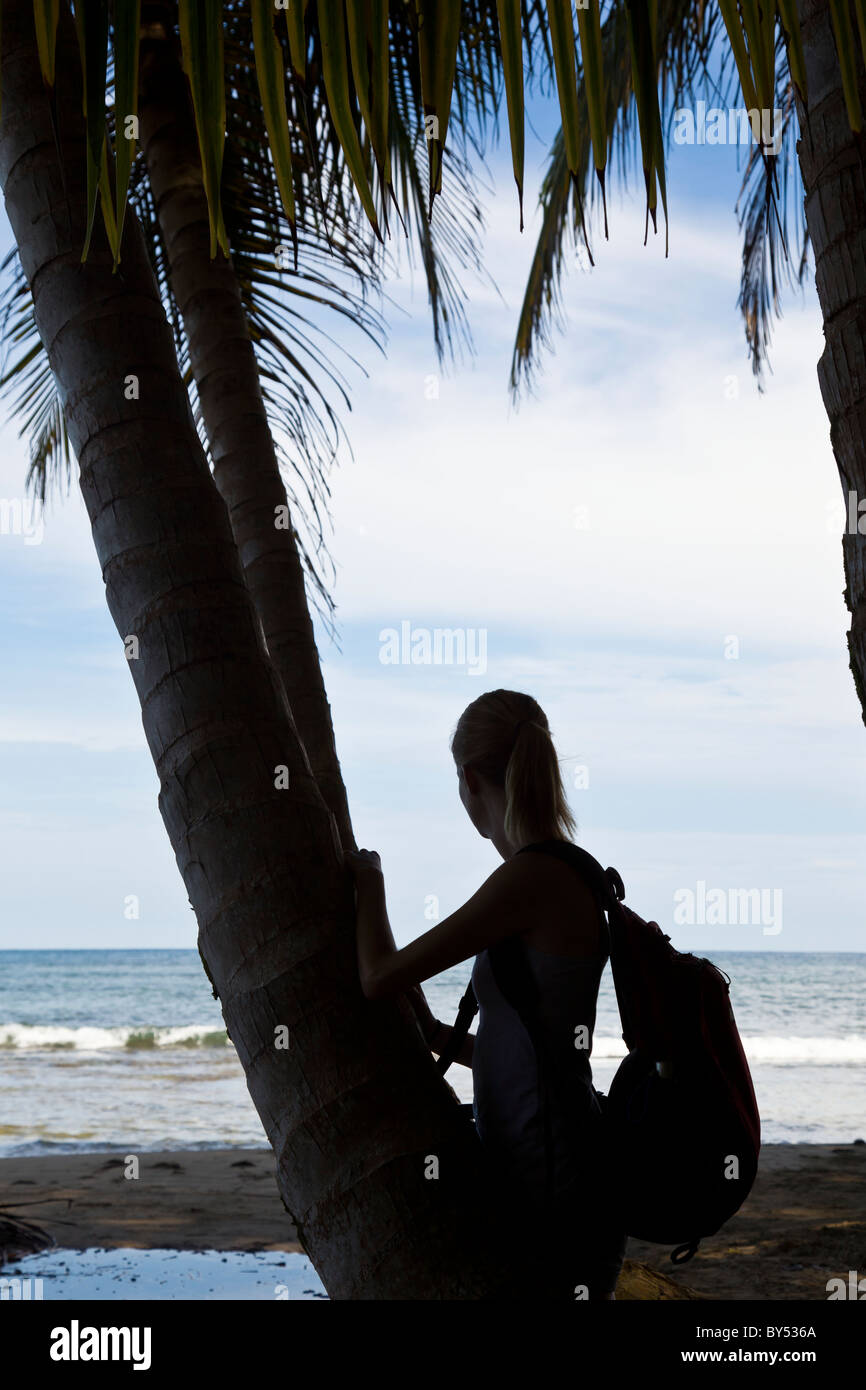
[(19, 1238), (640, 1283)]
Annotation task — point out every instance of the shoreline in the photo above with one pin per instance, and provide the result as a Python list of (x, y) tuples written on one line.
[(803, 1223)]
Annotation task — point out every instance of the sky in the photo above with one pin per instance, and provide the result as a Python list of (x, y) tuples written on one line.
[(646, 544)]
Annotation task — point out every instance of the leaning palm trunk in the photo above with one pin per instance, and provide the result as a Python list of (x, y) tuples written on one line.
[(225, 369), (353, 1106), (833, 165)]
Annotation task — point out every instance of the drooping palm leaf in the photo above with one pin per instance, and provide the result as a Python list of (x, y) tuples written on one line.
[(450, 242), (270, 72), (511, 41), (686, 31), (201, 33), (367, 22), (127, 38), (91, 23), (775, 238), (27, 381)]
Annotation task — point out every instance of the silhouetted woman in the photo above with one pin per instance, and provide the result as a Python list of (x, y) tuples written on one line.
[(511, 787)]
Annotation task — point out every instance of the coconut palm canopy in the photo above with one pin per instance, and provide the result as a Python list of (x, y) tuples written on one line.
[(323, 112), (355, 49)]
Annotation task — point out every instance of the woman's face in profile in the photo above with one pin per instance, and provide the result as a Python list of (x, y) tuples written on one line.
[(470, 801)]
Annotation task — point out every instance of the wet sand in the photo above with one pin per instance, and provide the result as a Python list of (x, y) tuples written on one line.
[(803, 1223)]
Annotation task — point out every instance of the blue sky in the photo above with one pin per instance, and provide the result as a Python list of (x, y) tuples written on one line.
[(609, 538)]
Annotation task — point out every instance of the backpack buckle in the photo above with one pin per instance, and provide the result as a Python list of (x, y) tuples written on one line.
[(616, 884)]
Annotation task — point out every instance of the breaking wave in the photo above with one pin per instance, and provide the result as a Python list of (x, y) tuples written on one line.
[(46, 1038)]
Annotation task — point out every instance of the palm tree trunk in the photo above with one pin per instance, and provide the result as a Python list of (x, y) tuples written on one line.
[(224, 365), (833, 165), (353, 1107)]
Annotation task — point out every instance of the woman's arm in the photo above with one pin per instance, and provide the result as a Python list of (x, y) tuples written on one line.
[(436, 1034), (440, 1039), (414, 994), (504, 905)]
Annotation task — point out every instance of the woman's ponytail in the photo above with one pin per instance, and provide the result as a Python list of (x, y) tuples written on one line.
[(504, 735)]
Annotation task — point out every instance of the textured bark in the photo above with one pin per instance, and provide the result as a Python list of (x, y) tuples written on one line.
[(353, 1107), (833, 165), (226, 374)]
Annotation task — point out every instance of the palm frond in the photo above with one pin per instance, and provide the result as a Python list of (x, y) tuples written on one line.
[(451, 241), (29, 383), (686, 32), (775, 238)]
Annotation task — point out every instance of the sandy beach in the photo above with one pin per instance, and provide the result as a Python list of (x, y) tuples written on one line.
[(803, 1223)]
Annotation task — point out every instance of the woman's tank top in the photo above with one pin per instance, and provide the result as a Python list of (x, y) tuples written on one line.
[(507, 1104)]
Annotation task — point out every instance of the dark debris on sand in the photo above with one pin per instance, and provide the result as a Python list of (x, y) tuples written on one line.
[(19, 1238)]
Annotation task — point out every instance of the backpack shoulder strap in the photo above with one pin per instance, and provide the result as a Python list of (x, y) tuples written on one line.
[(606, 884), (466, 1011)]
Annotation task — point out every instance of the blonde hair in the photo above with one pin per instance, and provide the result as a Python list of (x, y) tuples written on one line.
[(505, 737)]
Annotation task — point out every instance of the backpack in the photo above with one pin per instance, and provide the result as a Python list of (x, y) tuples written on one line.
[(680, 1122)]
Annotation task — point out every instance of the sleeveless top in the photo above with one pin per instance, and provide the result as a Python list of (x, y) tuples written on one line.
[(507, 1103)]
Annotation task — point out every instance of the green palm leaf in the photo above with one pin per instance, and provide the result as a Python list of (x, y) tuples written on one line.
[(333, 37), (272, 89), (840, 18), (687, 32), (775, 239), (45, 16), (201, 32), (127, 35), (91, 23), (511, 41)]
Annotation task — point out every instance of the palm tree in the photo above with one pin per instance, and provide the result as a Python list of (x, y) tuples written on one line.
[(189, 572)]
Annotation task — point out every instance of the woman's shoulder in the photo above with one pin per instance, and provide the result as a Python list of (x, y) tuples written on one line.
[(548, 870), (566, 918)]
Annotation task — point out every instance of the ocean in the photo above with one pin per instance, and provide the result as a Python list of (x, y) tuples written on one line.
[(126, 1050)]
